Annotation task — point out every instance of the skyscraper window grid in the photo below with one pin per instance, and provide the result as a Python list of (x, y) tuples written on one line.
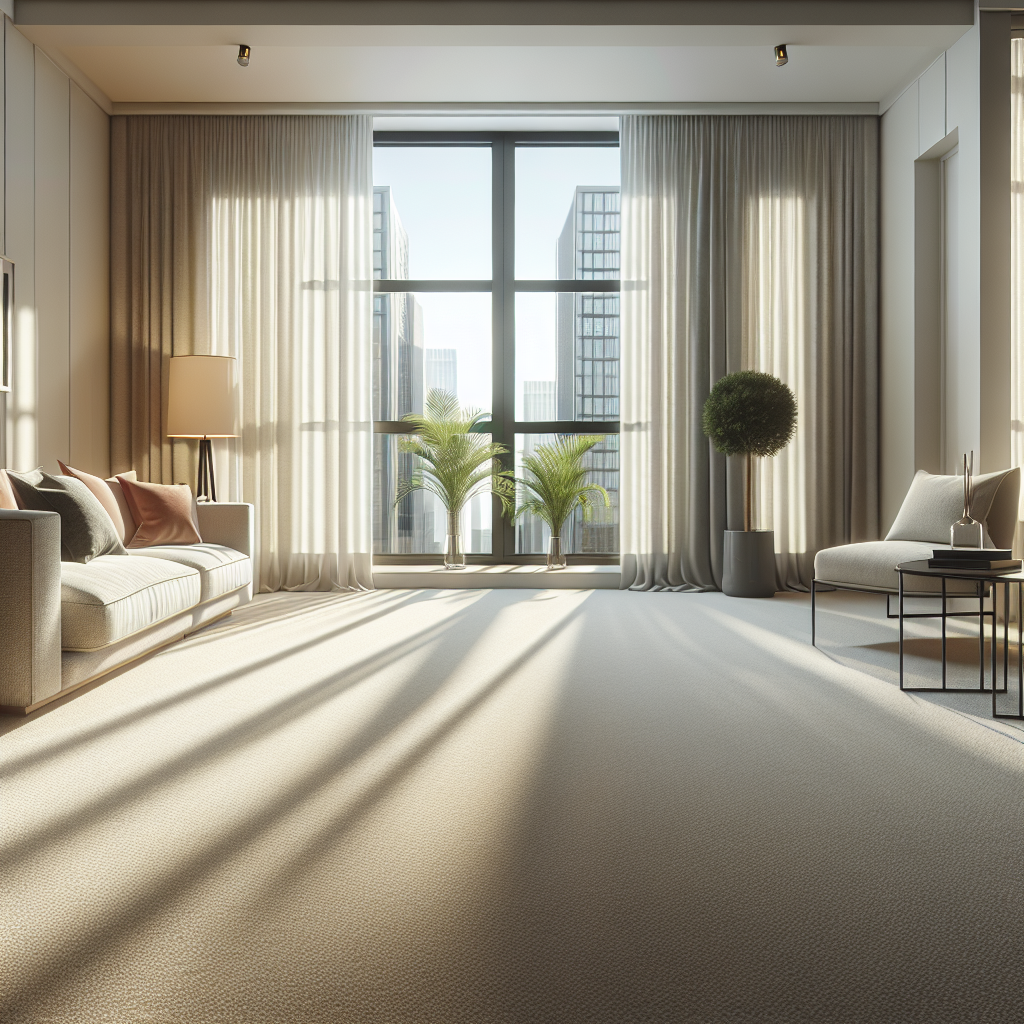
[(593, 244)]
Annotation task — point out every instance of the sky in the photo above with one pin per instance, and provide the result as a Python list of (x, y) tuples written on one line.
[(443, 197)]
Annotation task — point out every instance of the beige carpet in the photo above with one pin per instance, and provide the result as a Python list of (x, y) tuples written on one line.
[(514, 806)]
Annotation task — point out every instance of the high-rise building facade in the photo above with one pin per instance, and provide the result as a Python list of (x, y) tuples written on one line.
[(538, 404), (398, 381), (441, 368), (587, 347)]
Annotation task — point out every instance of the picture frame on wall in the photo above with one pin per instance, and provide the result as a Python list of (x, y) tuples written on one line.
[(6, 321)]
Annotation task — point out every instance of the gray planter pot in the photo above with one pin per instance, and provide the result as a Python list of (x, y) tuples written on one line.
[(748, 563)]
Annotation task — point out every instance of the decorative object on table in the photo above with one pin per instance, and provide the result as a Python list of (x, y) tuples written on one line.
[(456, 464), (751, 414), (966, 532), (202, 401), (557, 485), (985, 559)]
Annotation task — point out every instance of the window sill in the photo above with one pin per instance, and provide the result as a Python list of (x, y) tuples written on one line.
[(488, 577)]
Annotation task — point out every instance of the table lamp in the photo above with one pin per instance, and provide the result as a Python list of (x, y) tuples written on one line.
[(202, 402)]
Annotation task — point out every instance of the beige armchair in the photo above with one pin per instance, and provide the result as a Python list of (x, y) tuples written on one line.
[(931, 506)]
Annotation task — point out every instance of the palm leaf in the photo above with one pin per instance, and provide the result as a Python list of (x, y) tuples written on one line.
[(454, 462), (557, 483)]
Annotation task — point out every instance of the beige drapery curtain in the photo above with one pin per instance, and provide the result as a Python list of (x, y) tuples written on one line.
[(252, 237), (1017, 265), (748, 242)]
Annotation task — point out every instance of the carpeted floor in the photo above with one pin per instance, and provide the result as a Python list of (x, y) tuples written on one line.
[(516, 806)]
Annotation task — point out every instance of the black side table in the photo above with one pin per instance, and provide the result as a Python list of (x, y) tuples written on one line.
[(983, 580)]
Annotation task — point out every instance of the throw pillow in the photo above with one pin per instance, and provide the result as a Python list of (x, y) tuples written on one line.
[(130, 526), (934, 503), (163, 512), (86, 530), (7, 498), (104, 495)]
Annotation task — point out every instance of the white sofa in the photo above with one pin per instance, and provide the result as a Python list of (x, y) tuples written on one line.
[(64, 624)]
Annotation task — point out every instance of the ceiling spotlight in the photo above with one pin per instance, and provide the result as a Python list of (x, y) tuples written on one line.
[(780, 56), (244, 51)]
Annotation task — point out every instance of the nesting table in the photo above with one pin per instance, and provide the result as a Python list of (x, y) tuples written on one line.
[(984, 581)]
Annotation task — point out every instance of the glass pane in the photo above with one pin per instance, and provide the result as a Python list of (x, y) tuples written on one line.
[(427, 340), (597, 536), (416, 526), (567, 213), (432, 212), (567, 356)]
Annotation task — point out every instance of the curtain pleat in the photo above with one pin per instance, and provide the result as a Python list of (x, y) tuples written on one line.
[(747, 243), (252, 237)]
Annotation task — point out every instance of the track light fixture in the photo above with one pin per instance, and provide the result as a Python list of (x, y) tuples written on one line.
[(781, 56), (244, 51)]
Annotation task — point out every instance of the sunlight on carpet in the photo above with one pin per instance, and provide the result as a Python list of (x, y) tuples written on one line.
[(515, 806)]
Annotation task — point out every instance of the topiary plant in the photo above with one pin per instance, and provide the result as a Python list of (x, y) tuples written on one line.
[(750, 413)]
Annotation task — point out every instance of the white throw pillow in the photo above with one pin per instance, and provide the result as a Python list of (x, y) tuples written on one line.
[(934, 503)]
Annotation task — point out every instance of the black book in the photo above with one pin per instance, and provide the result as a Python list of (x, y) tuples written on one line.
[(976, 564), (972, 554)]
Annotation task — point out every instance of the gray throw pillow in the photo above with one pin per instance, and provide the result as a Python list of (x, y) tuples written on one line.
[(934, 503), (86, 530)]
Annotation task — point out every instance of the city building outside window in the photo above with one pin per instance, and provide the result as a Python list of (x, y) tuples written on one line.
[(496, 259)]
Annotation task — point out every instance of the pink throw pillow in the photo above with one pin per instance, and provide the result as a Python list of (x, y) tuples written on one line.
[(163, 513), (7, 498)]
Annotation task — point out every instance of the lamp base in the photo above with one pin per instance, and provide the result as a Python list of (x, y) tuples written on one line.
[(206, 486)]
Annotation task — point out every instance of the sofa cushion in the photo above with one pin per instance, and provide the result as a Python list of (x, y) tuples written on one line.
[(873, 564), (220, 569), (113, 597)]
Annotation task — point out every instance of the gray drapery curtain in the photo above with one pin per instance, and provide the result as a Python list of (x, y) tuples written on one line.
[(252, 237), (748, 242)]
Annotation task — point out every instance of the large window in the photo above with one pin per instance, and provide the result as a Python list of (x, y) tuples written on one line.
[(496, 258)]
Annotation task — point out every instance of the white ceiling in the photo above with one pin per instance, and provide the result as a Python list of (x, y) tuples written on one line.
[(394, 65)]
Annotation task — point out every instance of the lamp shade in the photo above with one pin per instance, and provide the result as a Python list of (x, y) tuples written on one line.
[(202, 400)]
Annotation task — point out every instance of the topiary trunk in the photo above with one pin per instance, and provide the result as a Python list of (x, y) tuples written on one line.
[(747, 489)]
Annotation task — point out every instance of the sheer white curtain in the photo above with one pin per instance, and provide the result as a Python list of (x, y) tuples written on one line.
[(255, 241), (748, 243)]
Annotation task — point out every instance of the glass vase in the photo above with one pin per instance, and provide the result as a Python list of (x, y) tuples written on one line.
[(454, 555), (556, 554)]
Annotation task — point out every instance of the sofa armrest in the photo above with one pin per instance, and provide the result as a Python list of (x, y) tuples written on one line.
[(29, 607), (231, 523)]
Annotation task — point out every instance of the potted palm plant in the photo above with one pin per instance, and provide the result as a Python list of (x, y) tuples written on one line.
[(557, 485), (749, 414), (456, 462)]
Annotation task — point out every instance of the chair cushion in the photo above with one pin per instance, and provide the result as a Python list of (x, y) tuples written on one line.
[(220, 569), (112, 597), (873, 565)]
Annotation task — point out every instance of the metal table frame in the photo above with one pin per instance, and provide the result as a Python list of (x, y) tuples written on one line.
[(983, 580)]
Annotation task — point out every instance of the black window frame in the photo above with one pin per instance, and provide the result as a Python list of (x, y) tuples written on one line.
[(502, 287)]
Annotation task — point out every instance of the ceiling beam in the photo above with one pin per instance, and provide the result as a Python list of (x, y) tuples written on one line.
[(494, 12)]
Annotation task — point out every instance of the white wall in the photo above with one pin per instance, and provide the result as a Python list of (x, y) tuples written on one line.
[(55, 217), (942, 109)]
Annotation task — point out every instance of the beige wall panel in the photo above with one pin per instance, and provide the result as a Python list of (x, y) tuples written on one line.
[(52, 220), (90, 285), (899, 145), (932, 105), (994, 341), (963, 360), (19, 202)]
